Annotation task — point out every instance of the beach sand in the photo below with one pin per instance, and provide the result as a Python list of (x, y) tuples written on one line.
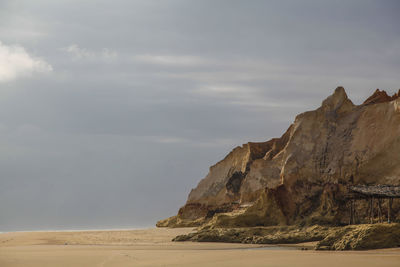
[(153, 247)]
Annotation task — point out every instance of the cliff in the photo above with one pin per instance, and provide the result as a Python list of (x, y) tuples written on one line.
[(302, 177)]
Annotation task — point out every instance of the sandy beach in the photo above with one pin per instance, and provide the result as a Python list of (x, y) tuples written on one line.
[(153, 247)]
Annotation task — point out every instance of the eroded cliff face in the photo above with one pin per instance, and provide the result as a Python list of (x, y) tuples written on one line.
[(303, 175)]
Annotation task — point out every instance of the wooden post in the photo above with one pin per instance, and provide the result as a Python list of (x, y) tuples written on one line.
[(379, 210), (390, 200), (355, 216), (351, 212), (350, 215), (371, 215)]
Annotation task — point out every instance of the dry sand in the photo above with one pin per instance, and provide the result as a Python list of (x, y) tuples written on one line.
[(152, 247)]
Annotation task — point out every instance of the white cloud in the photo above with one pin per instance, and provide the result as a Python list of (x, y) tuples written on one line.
[(246, 96), (163, 139), (16, 62), (208, 142), (171, 60), (224, 90), (170, 140), (78, 53)]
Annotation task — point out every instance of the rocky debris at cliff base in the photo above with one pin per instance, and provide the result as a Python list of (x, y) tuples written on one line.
[(352, 237), (257, 235), (176, 222), (214, 217), (360, 237)]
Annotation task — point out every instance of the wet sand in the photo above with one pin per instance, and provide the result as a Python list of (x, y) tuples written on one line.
[(152, 247)]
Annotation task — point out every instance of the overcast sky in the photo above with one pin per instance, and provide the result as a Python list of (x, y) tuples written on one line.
[(111, 111)]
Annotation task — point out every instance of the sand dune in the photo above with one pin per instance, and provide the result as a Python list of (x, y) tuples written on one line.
[(152, 247)]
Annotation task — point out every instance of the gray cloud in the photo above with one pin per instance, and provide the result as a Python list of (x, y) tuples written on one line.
[(145, 95)]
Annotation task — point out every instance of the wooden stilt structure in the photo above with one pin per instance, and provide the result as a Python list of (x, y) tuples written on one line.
[(370, 193)]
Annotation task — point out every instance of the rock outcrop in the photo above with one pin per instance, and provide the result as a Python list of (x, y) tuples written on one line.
[(302, 177), (380, 97), (350, 237)]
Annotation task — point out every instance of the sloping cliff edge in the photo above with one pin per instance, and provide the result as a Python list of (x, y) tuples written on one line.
[(302, 178)]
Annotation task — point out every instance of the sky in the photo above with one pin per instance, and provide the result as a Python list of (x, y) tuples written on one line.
[(111, 111)]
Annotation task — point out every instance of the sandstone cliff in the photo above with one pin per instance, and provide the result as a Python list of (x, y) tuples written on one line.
[(303, 176)]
